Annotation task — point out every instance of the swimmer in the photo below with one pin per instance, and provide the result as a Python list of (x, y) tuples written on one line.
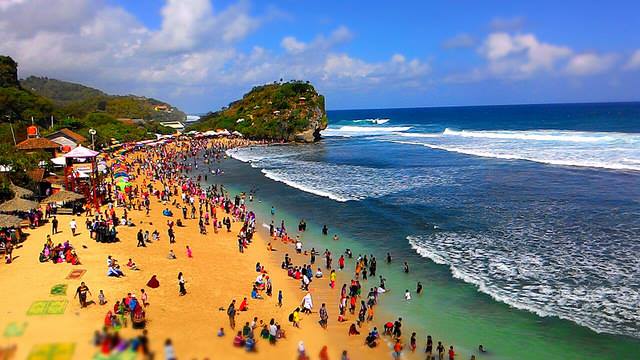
[(407, 295), (419, 288)]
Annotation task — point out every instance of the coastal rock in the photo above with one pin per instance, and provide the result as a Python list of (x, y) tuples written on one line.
[(290, 111)]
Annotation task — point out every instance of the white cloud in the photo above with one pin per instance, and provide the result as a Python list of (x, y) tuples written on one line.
[(590, 63), (634, 61), (292, 45), (183, 22), (193, 53), (5, 4), (521, 55)]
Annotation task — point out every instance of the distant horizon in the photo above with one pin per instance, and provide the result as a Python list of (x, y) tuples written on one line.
[(492, 105)]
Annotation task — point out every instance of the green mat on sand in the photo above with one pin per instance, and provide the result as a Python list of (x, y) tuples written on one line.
[(47, 307), (127, 355), (56, 351), (59, 289), (14, 329)]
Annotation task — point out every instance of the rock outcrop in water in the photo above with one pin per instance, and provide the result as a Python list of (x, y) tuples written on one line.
[(291, 111)]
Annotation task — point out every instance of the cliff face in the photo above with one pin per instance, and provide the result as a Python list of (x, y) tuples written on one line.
[(291, 111)]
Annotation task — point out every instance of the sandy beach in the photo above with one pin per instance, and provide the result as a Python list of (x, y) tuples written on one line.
[(216, 274)]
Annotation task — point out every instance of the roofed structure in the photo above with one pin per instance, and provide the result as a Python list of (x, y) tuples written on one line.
[(33, 144), (66, 137)]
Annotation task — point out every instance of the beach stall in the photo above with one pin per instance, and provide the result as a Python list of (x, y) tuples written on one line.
[(26, 210), (81, 175), (10, 232), (21, 192), (64, 197)]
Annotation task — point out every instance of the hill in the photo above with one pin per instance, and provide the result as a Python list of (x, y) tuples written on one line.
[(290, 111), (94, 109), (81, 100)]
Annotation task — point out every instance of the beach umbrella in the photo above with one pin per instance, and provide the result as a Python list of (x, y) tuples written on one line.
[(120, 174), (18, 204), (9, 221), (63, 196), (20, 191)]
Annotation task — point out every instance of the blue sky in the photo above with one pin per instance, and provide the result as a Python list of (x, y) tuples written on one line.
[(202, 54)]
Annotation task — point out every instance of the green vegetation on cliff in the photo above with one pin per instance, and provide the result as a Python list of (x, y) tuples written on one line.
[(290, 111), (77, 107)]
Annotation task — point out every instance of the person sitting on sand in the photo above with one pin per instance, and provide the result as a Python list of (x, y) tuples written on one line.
[(221, 332), (353, 330), (153, 282), (371, 340), (319, 273), (244, 306), (238, 340), (255, 294), (132, 265), (115, 271), (172, 255)]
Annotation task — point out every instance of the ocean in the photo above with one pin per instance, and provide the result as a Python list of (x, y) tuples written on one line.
[(522, 222)]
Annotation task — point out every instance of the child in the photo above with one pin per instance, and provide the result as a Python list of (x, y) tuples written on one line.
[(221, 332), (189, 253), (279, 298), (144, 298), (101, 298)]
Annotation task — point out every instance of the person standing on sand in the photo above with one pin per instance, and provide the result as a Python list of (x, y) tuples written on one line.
[(141, 239), (169, 352), (172, 235), (81, 293), (231, 311), (181, 282), (73, 225), (54, 226), (324, 316)]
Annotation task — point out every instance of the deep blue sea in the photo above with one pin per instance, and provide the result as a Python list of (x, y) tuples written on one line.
[(524, 218)]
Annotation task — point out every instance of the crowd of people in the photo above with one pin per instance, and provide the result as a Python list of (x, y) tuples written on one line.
[(169, 175), (60, 253)]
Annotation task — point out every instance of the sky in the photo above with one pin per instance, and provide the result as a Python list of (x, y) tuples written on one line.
[(200, 55)]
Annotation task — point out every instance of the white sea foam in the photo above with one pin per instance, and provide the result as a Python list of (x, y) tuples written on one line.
[(273, 175), (339, 182), (540, 135), (349, 131), (614, 151), (372, 121), (547, 274)]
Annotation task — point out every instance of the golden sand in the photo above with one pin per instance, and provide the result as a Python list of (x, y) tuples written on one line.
[(215, 275)]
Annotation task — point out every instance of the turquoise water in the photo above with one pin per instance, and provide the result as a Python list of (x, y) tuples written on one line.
[(521, 222)]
